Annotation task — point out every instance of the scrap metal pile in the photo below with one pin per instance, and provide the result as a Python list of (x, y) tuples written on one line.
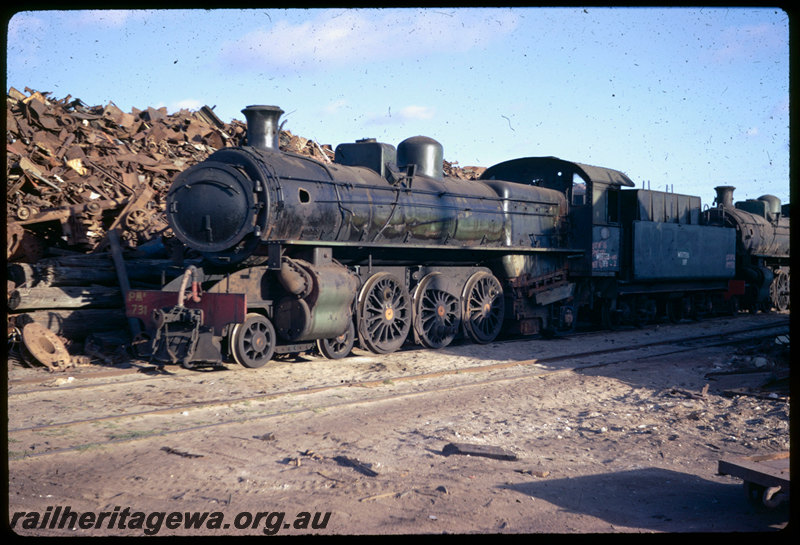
[(83, 181)]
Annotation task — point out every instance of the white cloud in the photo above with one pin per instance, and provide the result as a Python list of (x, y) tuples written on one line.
[(417, 112), (412, 113), (187, 103), (108, 18), (335, 106), (340, 37)]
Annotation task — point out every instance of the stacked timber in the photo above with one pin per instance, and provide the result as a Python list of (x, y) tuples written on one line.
[(75, 296)]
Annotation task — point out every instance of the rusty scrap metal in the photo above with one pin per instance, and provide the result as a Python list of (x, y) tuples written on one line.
[(81, 165), (487, 451), (43, 346)]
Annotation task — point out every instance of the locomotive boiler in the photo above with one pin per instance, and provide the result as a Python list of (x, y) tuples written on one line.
[(762, 246), (378, 245)]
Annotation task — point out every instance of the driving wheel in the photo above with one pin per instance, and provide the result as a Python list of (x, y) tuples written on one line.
[(437, 313), (384, 313), (779, 291), (483, 307)]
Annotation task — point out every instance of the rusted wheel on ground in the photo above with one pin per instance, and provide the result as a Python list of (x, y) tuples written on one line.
[(44, 346), (437, 312), (483, 307), (253, 342), (384, 313), (338, 347)]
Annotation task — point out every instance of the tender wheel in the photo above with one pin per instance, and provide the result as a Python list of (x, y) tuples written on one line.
[(779, 291), (384, 313), (567, 318), (679, 308), (338, 347), (627, 313), (483, 307), (646, 310), (610, 316), (253, 342), (437, 313), (733, 305)]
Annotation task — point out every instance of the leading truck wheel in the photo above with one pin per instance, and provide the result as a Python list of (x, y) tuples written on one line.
[(483, 307), (253, 342)]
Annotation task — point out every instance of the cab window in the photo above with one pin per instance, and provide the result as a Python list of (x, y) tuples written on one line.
[(578, 190)]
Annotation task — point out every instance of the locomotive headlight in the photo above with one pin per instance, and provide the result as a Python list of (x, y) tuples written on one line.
[(604, 233)]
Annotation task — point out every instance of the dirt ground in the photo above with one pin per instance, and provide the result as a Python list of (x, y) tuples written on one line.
[(626, 448)]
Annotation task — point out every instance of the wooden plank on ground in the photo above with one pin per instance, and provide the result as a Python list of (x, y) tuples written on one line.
[(487, 451)]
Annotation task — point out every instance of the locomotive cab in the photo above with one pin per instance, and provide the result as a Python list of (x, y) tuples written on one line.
[(594, 197)]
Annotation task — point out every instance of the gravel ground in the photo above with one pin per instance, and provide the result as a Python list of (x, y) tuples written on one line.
[(631, 447)]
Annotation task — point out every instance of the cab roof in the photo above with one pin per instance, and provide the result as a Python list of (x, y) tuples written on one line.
[(527, 169)]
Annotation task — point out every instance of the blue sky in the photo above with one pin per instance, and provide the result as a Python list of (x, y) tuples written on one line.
[(690, 98)]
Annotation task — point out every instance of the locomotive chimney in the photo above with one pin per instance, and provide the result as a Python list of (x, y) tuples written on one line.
[(262, 126), (724, 195)]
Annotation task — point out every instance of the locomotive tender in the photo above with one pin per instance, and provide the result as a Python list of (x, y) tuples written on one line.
[(380, 246)]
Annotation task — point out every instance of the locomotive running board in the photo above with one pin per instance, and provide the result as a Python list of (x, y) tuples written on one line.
[(359, 244)]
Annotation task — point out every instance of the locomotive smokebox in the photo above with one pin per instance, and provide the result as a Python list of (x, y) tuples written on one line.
[(262, 126), (724, 195)]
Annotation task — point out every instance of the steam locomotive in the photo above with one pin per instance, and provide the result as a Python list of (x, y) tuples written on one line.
[(381, 247)]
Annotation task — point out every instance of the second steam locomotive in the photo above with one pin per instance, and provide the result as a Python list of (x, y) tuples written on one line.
[(381, 247)]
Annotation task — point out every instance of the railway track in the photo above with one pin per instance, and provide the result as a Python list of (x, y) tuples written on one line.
[(53, 421), (139, 371)]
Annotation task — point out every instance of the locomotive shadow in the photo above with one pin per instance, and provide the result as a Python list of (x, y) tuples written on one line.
[(656, 499)]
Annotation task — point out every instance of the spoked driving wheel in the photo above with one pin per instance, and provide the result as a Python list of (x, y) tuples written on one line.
[(253, 342), (338, 347), (384, 313), (483, 307), (437, 313), (779, 291)]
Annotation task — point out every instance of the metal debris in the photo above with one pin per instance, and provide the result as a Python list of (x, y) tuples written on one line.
[(361, 467), (43, 346), (487, 451), (170, 450)]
